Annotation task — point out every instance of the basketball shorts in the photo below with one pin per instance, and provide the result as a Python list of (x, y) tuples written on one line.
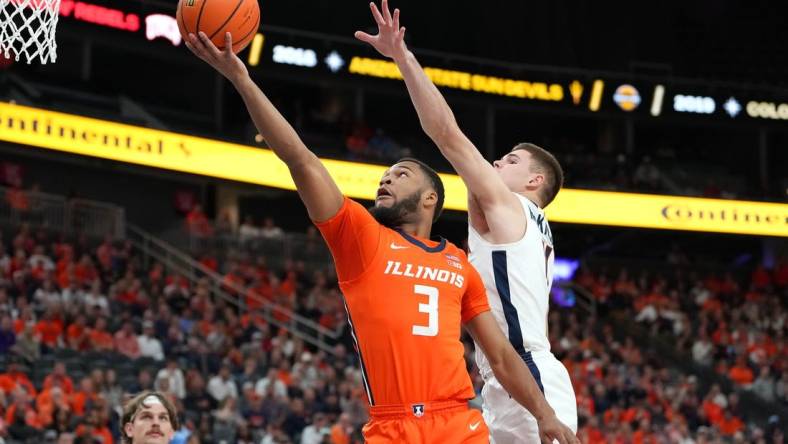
[(509, 422), (441, 422)]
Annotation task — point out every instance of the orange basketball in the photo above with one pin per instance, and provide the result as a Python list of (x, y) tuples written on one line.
[(240, 18)]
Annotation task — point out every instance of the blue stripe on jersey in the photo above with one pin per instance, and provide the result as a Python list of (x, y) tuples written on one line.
[(501, 273), (529, 361), (510, 312), (364, 376)]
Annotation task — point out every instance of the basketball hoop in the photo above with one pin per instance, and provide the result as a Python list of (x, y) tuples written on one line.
[(27, 28)]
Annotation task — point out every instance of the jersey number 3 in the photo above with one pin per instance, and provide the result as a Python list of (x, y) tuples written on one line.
[(431, 308)]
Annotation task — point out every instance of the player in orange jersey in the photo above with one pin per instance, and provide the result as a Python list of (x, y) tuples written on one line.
[(406, 296)]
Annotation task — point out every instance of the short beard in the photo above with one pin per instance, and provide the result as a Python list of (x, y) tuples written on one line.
[(395, 216)]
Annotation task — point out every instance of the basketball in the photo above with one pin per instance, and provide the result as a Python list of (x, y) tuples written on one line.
[(240, 18)]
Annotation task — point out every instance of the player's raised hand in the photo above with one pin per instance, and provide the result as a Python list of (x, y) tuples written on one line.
[(552, 430), (226, 62), (390, 40)]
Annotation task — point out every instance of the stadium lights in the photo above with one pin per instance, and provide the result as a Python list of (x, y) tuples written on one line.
[(627, 97), (576, 90), (656, 102), (256, 49), (334, 61), (596, 95), (100, 15), (732, 107), (290, 55), (549, 92), (767, 110), (693, 104), (162, 25)]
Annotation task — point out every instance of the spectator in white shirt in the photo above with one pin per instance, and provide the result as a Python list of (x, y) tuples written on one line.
[(280, 389), (270, 230), (703, 349), (73, 295), (314, 433), (149, 345), (222, 385), (248, 232), (47, 295), (174, 375), (40, 260), (94, 299)]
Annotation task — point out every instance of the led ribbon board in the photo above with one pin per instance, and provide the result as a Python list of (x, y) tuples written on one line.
[(177, 152)]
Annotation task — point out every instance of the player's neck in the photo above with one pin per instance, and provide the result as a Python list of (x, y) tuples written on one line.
[(421, 229), (533, 196)]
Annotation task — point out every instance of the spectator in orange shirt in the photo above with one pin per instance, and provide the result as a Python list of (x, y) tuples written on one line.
[(48, 401), (85, 395), (15, 378), (49, 331), (85, 271), (100, 338), (26, 317), (207, 325), (197, 223), (95, 425), (77, 334), (712, 410), (22, 417), (17, 199), (59, 378), (644, 435), (613, 415), (126, 341), (730, 424), (342, 429), (156, 274), (591, 433), (104, 254), (66, 276), (741, 373)]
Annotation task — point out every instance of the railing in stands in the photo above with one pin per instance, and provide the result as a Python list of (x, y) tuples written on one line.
[(75, 217), (582, 298), (277, 250), (183, 264)]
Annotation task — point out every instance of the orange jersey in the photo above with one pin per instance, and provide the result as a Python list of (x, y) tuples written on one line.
[(406, 300)]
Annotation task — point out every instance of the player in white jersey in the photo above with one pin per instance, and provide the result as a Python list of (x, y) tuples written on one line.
[(518, 276), (509, 238)]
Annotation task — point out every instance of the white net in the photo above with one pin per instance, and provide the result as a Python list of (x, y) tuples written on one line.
[(27, 29)]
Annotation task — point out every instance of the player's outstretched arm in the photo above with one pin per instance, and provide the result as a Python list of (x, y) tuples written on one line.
[(511, 371), (317, 189), (435, 115)]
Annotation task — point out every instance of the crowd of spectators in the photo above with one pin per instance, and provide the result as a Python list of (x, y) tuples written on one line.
[(732, 326), (82, 325)]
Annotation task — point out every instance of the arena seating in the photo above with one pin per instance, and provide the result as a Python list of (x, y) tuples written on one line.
[(82, 325)]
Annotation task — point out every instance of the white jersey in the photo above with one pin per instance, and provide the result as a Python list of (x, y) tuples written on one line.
[(518, 277)]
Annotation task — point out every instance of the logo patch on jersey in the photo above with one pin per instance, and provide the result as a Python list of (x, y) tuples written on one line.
[(418, 410), (453, 261), (397, 247)]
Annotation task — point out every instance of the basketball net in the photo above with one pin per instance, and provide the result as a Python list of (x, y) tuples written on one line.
[(27, 28)]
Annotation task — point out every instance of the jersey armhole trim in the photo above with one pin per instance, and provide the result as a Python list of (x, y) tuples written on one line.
[(507, 244)]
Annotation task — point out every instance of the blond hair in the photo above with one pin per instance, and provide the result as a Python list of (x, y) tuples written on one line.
[(135, 404)]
